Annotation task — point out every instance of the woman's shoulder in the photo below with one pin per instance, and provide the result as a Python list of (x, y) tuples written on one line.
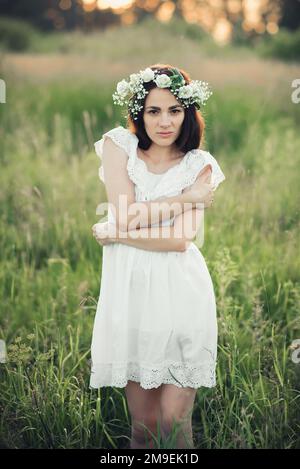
[(199, 157), (120, 135), (196, 160), (120, 130)]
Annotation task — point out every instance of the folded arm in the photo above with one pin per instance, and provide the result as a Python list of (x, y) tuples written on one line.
[(129, 214), (134, 221), (176, 237)]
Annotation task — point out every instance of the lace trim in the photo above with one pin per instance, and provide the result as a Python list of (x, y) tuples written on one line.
[(187, 172), (174, 180), (121, 137), (128, 142), (180, 374)]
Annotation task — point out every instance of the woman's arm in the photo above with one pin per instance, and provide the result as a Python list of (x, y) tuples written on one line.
[(129, 214), (158, 238), (147, 213), (176, 237)]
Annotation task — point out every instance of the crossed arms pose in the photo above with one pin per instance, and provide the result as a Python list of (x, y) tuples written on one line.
[(133, 223)]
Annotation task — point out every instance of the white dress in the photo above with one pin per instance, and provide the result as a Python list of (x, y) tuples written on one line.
[(156, 316)]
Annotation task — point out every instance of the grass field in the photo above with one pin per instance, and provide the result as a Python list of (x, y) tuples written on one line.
[(58, 103)]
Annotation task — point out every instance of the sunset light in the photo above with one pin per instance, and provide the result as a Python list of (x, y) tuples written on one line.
[(216, 17), (105, 4)]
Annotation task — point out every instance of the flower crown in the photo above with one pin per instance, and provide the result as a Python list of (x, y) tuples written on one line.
[(132, 93)]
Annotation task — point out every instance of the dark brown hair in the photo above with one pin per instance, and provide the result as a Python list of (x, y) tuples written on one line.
[(193, 125)]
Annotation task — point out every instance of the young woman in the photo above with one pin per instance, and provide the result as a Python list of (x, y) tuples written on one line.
[(155, 329)]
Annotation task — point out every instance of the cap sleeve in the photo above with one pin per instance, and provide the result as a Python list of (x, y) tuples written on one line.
[(185, 174), (195, 161), (121, 137), (217, 175)]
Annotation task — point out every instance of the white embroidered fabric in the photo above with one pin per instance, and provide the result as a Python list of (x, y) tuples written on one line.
[(156, 318), (175, 179), (184, 375)]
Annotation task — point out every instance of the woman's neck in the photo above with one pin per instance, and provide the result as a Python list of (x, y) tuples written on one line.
[(159, 154)]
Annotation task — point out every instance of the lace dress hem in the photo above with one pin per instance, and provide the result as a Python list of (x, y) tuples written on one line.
[(180, 374)]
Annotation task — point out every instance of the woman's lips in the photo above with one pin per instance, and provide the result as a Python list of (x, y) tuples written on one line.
[(167, 134)]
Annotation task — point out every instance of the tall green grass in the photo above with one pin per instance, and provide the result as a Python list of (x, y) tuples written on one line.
[(50, 268)]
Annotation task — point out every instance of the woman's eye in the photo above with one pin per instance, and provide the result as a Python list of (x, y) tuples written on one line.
[(154, 111)]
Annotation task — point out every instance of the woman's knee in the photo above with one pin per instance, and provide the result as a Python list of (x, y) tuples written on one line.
[(176, 406), (145, 429), (171, 421)]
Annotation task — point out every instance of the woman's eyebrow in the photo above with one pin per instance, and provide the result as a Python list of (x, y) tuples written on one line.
[(170, 107)]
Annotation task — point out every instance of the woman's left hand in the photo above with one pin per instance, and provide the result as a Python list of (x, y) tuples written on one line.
[(105, 233)]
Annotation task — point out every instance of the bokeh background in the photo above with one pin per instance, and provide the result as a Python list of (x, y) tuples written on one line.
[(60, 61)]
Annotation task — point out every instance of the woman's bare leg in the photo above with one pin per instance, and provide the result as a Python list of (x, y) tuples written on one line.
[(177, 406), (144, 407)]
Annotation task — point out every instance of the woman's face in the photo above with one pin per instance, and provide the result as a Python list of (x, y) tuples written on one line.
[(162, 113)]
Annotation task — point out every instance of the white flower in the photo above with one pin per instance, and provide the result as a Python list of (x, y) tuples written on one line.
[(163, 81), (201, 95), (195, 87), (134, 78), (185, 91), (201, 91), (194, 92), (123, 88), (147, 74)]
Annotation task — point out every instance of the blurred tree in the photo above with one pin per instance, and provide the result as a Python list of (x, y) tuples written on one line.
[(290, 10), (29, 10), (244, 20), (57, 14)]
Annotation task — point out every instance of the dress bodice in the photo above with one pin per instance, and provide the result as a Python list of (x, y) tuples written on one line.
[(150, 186)]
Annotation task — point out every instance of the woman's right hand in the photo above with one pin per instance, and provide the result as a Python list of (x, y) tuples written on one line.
[(202, 189)]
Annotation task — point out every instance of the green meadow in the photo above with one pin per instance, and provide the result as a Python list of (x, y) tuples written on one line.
[(58, 103)]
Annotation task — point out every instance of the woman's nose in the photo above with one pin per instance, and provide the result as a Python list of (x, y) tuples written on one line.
[(165, 120)]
